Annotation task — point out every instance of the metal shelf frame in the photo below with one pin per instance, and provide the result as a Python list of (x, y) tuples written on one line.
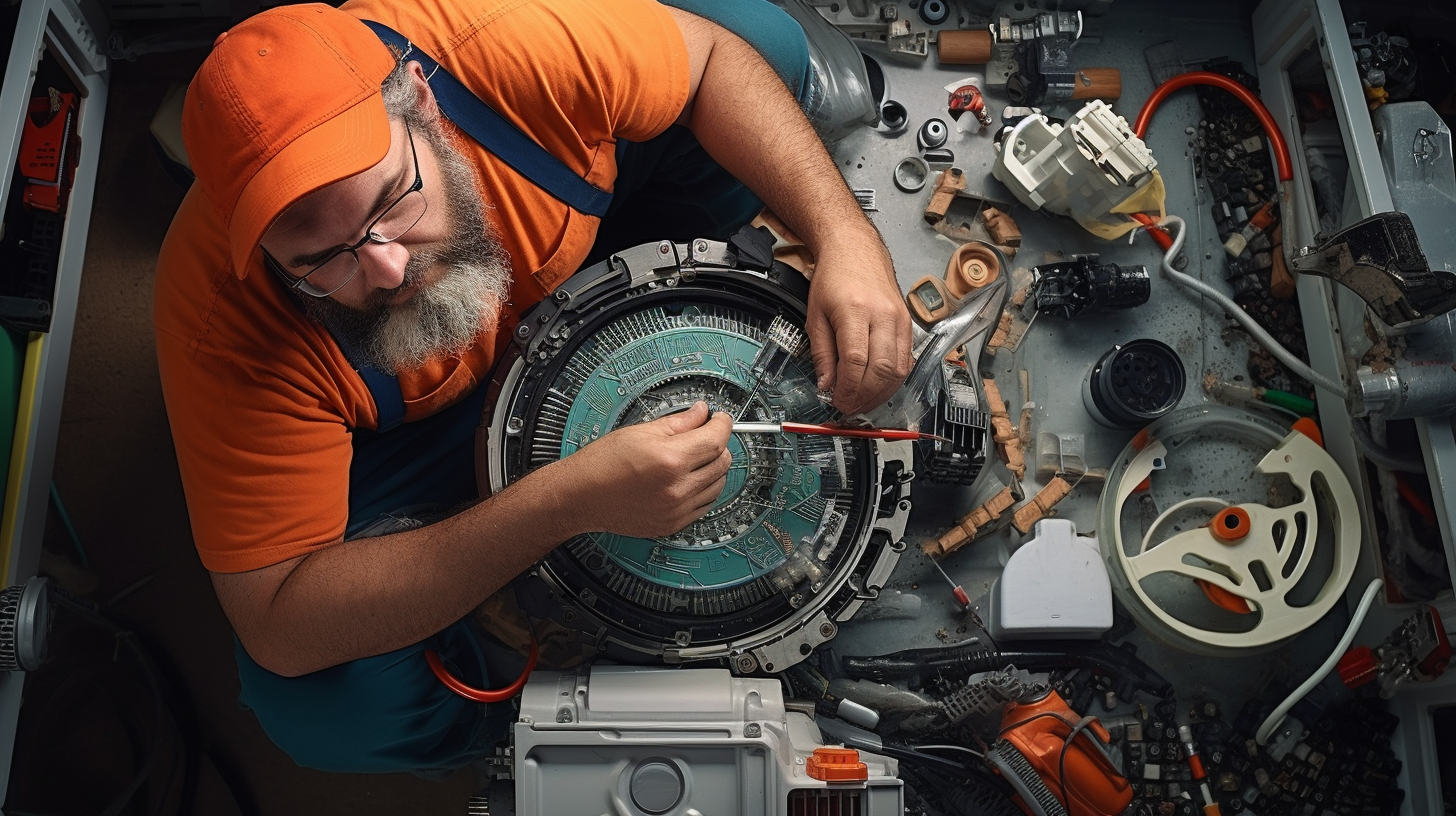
[(1284, 31), (60, 31)]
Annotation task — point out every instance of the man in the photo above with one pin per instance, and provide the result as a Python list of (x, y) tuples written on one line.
[(341, 234)]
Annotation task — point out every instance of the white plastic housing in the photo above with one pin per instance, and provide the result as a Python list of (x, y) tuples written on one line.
[(1082, 170), (1054, 586)]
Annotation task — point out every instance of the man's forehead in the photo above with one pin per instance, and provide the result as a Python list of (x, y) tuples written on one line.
[(327, 206)]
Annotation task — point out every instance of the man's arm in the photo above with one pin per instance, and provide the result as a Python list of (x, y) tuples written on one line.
[(369, 596), (740, 111)]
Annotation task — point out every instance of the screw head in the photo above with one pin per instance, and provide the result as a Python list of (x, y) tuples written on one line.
[(752, 730), (826, 629), (745, 663), (563, 715)]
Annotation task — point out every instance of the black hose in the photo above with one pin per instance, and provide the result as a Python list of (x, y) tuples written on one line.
[(958, 662)]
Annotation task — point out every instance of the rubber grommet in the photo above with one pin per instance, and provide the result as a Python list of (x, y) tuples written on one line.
[(911, 174)]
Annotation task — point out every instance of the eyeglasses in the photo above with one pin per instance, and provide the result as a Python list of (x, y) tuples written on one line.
[(340, 267)]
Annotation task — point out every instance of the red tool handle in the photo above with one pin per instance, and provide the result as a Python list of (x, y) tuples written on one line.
[(857, 433)]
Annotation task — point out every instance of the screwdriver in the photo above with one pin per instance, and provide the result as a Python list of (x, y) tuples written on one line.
[(831, 430), (955, 589)]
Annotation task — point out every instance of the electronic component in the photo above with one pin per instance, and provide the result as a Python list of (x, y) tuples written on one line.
[(929, 300), (1417, 651), (1081, 284), (803, 530), (649, 741), (1133, 384), (1083, 169)]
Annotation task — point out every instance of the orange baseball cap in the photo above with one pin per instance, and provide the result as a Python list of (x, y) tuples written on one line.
[(287, 102)]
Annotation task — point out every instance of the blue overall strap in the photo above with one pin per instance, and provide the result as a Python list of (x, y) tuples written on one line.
[(496, 134), (388, 398)]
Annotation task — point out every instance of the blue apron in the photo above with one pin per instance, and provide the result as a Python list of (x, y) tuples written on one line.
[(389, 713)]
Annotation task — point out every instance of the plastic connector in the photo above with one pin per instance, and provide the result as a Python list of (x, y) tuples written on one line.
[(829, 764)]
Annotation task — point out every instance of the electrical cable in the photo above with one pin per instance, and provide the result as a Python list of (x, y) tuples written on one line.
[(481, 695), (129, 639), (1062, 759), (1277, 715), (1294, 364), (1244, 95), (962, 661), (908, 754), (1385, 457), (170, 695), (977, 754)]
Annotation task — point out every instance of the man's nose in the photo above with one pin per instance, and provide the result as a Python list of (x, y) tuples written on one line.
[(383, 265)]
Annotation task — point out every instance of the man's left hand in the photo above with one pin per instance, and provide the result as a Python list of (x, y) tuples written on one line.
[(858, 324)]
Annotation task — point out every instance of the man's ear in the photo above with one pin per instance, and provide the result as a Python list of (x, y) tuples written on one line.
[(424, 95)]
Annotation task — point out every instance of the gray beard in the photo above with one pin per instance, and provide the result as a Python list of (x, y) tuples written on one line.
[(445, 317)]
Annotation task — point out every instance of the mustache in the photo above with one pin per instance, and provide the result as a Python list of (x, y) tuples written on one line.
[(414, 274)]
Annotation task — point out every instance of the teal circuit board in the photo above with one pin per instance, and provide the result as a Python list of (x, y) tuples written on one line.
[(778, 519)]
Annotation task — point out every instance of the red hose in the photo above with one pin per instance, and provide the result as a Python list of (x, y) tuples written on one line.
[(480, 695), (1281, 150)]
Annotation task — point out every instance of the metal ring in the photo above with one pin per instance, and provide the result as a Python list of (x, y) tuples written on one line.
[(911, 174)]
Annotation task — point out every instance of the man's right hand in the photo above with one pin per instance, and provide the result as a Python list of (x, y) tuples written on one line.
[(655, 478)]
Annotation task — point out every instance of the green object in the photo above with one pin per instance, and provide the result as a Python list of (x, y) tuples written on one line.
[(12, 367), (1284, 399), (70, 528)]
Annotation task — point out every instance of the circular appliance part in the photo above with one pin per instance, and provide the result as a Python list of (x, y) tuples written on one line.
[(1134, 384), (893, 118), (973, 265), (911, 173), (934, 12), (932, 134), (805, 530), (25, 621), (1200, 588)]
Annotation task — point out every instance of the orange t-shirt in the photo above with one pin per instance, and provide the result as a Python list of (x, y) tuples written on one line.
[(260, 398)]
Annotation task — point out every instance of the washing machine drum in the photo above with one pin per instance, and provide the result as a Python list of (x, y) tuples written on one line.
[(807, 528)]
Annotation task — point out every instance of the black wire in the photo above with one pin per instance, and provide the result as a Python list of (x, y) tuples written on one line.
[(1074, 729), (169, 695), (1034, 718), (1062, 760)]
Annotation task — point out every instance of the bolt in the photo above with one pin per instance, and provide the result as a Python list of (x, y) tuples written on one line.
[(701, 247), (515, 425), (752, 730), (523, 330), (664, 248), (826, 630), (563, 715), (745, 663)]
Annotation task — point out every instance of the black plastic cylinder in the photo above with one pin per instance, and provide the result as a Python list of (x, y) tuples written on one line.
[(1134, 384)]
